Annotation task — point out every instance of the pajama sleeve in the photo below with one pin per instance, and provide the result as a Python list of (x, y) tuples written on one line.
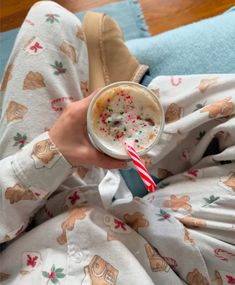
[(27, 178)]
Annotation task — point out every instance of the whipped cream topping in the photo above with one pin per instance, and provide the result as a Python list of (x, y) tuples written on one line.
[(126, 114)]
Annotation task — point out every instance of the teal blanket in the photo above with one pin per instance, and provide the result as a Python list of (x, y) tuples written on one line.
[(203, 47)]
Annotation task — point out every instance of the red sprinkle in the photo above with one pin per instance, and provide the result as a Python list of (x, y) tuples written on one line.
[(119, 135)]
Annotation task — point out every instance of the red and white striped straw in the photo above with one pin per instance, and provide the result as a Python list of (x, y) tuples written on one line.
[(142, 170)]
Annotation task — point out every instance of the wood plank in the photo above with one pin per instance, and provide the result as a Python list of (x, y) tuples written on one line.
[(83, 5), (13, 12), (161, 15)]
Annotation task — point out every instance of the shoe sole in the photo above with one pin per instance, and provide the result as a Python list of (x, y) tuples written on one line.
[(92, 27)]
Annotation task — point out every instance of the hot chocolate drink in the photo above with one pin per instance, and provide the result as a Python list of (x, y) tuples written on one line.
[(125, 112)]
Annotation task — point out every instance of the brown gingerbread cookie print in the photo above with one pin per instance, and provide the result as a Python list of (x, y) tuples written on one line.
[(157, 263), (7, 76), (33, 80), (18, 193), (195, 278), (45, 151), (79, 33), (111, 236), (101, 272), (173, 113), (176, 203), (15, 111), (81, 171), (163, 173), (230, 181), (4, 276), (187, 237), (84, 88), (136, 220), (193, 222), (68, 224), (218, 278), (206, 83), (7, 238), (70, 51), (221, 108)]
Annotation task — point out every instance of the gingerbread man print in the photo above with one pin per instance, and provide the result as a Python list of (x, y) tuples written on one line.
[(173, 113), (100, 272), (221, 108), (18, 193), (15, 111), (180, 202), (136, 220), (45, 153), (68, 224), (157, 263), (229, 182)]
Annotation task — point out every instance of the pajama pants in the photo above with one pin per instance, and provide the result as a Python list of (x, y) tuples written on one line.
[(63, 225)]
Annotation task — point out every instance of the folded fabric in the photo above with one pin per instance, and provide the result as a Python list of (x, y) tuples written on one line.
[(203, 47)]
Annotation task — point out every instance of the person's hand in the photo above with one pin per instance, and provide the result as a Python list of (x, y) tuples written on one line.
[(69, 134)]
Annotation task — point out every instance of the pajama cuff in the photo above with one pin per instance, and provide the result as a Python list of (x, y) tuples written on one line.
[(40, 166)]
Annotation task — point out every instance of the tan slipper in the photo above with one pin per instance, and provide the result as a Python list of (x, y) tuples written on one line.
[(109, 58)]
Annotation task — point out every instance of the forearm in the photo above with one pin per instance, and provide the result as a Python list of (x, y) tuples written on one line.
[(26, 179)]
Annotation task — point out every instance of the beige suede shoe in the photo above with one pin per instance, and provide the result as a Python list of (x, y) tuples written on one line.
[(109, 58)]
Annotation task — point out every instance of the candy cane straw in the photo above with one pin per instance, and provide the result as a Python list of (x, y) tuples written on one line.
[(143, 172)]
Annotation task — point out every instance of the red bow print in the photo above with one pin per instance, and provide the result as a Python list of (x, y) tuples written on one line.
[(35, 47), (74, 197), (231, 279), (193, 172), (119, 224), (31, 261)]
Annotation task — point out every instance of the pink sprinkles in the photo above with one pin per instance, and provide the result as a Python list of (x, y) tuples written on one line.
[(125, 122)]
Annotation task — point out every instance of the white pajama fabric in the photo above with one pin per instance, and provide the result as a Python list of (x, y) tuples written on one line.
[(76, 233)]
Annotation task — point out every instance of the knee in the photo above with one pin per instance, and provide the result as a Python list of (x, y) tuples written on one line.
[(51, 12), (43, 7)]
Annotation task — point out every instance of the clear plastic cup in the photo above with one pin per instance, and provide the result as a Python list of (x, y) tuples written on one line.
[(125, 112)]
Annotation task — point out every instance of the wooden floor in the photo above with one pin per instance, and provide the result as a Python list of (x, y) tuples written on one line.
[(161, 15)]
